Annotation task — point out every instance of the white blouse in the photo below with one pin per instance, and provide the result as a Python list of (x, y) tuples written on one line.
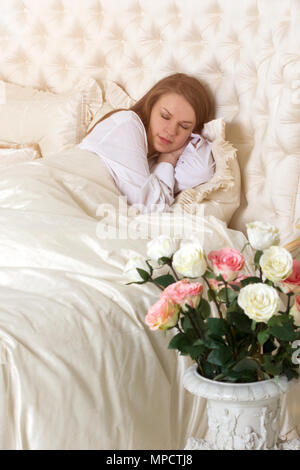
[(121, 141)]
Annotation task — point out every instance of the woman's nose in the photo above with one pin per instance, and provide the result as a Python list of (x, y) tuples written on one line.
[(171, 129)]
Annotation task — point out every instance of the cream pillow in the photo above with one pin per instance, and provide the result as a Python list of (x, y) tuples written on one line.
[(11, 154), (114, 97), (220, 196), (54, 121)]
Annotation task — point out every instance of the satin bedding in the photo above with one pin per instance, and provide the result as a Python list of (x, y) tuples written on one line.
[(79, 367)]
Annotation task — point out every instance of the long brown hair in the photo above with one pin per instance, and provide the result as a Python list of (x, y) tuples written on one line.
[(185, 85)]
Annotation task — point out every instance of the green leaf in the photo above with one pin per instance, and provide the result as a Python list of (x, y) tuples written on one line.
[(196, 351), (270, 366), (284, 333), (246, 363), (213, 343), (135, 282), (240, 321), (210, 295), (163, 260), (235, 287), (263, 336), (217, 326), (233, 307), (208, 370), (198, 342), (250, 280), (220, 356), (144, 274), (181, 342), (257, 257), (290, 373), (240, 377), (230, 294), (209, 275), (165, 280), (276, 320), (281, 326), (187, 345), (186, 324), (269, 346), (204, 308)]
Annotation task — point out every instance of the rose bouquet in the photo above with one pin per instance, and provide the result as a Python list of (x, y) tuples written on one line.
[(254, 337)]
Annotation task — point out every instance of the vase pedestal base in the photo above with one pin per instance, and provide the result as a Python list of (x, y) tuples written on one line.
[(202, 444)]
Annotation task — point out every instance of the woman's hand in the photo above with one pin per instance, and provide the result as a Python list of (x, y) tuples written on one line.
[(172, 157)]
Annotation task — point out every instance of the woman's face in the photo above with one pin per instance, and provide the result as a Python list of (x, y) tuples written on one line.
[(172, 121)]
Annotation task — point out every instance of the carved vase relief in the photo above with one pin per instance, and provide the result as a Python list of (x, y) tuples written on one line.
[(243, 426), (240, 416)]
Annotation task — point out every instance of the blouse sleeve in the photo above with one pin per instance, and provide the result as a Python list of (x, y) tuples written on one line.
[(195, 165), (121, 141)]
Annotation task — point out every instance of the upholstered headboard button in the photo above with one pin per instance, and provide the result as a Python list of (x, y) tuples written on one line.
[(246, 54)]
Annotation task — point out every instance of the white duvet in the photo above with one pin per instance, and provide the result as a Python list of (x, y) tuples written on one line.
[(79, 367)]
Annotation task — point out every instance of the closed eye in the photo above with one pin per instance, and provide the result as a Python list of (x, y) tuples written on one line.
[(181, 125)]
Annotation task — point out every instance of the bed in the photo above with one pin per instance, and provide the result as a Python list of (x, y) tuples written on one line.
[(79, 369)]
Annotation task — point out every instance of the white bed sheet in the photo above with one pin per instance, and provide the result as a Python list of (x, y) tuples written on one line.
[(79, 367)]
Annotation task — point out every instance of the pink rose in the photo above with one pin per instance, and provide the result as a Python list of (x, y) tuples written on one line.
[(292, 283), (163, 314), (218, 285), (227, 262), (184, 293), (215, 285), (295, 310), (237, 281)]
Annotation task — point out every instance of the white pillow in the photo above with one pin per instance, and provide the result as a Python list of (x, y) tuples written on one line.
[(12, 154), (54, 121), (114, 97)]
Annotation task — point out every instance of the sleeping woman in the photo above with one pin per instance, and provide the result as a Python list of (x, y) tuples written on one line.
[(155, 149)]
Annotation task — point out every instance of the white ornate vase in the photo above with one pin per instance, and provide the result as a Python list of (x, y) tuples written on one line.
[(240, 416)]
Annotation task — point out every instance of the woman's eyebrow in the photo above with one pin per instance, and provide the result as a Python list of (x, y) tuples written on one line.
[(189, 122)]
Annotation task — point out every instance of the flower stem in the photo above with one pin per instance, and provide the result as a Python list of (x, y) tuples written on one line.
[(173, 270), (220, 376), (195, 326), (288, 302), (157, 284), (200, 367), (214, 298), (226, 293)]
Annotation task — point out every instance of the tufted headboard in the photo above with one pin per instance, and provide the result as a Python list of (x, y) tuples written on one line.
[(245, 52)]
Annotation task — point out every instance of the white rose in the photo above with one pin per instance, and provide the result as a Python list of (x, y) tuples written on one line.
[(130, 271), (161, 246), (189, 260), (262, 235), (259, 301), (276, 263)]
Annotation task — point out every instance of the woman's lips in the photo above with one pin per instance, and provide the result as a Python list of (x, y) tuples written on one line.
[(164, 141)]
